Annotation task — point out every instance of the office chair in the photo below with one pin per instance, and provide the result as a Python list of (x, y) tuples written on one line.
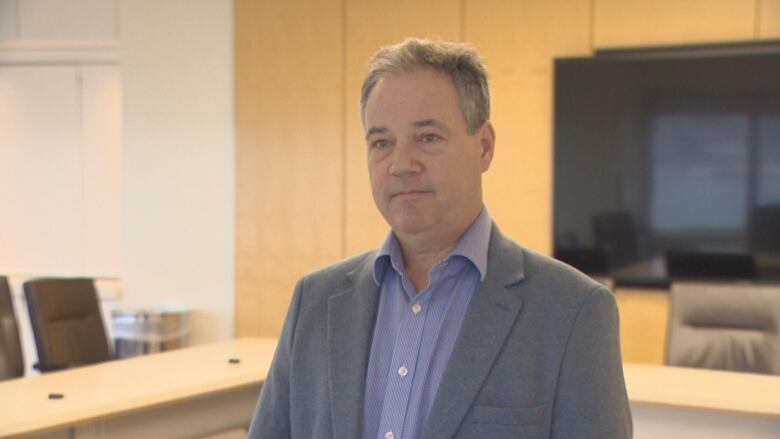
[(11, 359), (727, 326), (67, 323)]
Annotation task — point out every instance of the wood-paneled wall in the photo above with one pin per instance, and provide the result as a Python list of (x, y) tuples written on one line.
[(769, 19), (303, 198), (289, 151)]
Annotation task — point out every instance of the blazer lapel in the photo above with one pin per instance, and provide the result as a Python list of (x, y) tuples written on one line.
[(351, 316), (489, 319)]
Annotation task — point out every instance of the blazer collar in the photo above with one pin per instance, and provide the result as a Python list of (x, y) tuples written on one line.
[(489, 319), (351, 316)]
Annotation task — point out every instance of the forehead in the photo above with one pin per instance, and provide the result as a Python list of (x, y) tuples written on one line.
[(420, 94)]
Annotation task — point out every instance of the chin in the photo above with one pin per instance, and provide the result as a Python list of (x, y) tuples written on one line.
[(410, 225), (411, 217)]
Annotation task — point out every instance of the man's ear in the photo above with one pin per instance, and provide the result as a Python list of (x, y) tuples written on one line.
[(487, 143)]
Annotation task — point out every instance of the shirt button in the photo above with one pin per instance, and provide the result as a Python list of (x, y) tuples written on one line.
[(389, 435), (403, 371), (416, 308)]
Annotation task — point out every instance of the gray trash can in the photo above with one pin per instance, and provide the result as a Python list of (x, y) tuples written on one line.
[(142, 332)]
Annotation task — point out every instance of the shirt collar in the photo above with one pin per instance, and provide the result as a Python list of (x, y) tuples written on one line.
[(473, 246)]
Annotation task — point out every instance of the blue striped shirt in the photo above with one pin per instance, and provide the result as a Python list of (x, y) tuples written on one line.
[(414, 333)]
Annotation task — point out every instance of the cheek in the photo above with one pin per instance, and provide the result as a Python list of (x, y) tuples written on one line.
[(462, 179), (376, 179), (373, 170)]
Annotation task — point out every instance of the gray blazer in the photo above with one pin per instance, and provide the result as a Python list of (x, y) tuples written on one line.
[(537, 356)]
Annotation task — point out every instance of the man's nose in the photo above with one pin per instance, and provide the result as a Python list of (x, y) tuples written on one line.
[(404, 159)]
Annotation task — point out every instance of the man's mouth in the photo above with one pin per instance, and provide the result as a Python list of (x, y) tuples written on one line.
[(409, 193)]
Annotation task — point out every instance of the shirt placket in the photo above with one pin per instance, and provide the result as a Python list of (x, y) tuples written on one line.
[(402, 368)]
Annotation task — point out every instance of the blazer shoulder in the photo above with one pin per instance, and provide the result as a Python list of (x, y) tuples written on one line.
[(552, 269), (336, 275), (534, 269), (553, 277)]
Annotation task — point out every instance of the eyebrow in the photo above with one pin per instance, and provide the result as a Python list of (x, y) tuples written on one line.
[(375, 130), (426, 123), (418, 123), (431, 123)]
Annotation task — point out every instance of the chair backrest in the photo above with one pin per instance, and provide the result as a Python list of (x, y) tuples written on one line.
[(67, 323), (727, 326), (11, 359)]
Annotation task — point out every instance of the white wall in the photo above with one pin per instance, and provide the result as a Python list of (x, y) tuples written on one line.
[(178, 159)]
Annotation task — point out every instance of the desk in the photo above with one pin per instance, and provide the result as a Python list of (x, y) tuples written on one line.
[(184, 393), (674, 402)]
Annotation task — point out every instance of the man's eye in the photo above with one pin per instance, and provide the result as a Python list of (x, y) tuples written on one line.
[(380, 143), (427, 138)]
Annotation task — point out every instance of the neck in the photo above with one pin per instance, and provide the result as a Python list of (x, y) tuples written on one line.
[(422, 251), (418, 262)]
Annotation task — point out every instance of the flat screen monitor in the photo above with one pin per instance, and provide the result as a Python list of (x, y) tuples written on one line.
[(666, 152)]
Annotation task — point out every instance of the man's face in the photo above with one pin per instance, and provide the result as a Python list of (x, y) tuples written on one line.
[(425, 168)]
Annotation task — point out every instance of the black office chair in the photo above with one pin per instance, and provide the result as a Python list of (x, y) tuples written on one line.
[(727, 326), (11, 359), (66, 322)]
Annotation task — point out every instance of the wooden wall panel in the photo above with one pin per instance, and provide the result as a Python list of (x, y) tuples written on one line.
[(371, 24), (519, 41), (644, 315), (769, 19), (623, 23), (289, 113)]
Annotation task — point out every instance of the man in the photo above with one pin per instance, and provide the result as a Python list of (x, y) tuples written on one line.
[(450, 329)]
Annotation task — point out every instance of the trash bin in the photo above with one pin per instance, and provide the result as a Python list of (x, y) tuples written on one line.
[(142, 332)]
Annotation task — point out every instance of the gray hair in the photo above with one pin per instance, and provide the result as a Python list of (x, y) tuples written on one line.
[(459, 61)]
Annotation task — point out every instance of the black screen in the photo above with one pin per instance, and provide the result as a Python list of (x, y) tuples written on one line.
[(667, 163)]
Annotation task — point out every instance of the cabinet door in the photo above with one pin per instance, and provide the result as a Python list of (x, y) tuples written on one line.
[(40, 170), (102, 169), (59, 170)]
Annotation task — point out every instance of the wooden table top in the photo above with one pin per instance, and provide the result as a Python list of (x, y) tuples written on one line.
[(703, 389), (107, 389)]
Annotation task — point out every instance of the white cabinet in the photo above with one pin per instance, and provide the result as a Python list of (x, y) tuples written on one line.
[(60, 169), (58, 20)]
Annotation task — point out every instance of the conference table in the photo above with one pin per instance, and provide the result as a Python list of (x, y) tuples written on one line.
[(684, 403), (208, 389), (191, 392)]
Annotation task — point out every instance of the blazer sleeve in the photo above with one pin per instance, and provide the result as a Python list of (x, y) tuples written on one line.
[(272, 414), (591, 399)]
